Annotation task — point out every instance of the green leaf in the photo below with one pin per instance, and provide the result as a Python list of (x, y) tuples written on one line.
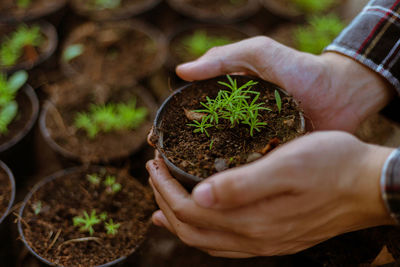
[(278, 100), (17, 80), (73, 51)]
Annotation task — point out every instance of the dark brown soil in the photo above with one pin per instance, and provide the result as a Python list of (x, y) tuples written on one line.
[(68, 196), (5, 192), (37, 6), (71, 98), (113, 53), (191, 151), (21, 120), (223, 6)]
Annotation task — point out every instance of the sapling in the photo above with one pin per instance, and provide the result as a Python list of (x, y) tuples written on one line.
[(314, 6), (37, 207), (93, 179), (112, 186), (278, 100), (106, 4), (87, 222), (72, 51), (111, 227), (23, 3)]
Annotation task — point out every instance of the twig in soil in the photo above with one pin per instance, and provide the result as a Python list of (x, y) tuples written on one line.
[(83, 239), (22, 220), (14, 208), (54, 240)]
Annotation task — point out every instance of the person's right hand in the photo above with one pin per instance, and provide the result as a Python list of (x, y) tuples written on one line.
[(335, 91)]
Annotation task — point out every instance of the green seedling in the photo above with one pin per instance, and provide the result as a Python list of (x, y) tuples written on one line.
[(103, 216), (93, 179), (73, 51), (12, 46), (23, 3), (37, 207), (112, 186), (87, 222), (238, 105), (200, 42), (110, 117), (318, 33), (211, 144), (278, 100), (8, 105), (314, 6), (106, 4), (111, 227)]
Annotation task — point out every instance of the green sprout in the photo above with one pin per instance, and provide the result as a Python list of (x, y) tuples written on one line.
[(235, 106), (23, 3), (320, 32), (314, 6), (110, 117), (37, 207), (111, 227), (12, 46), (87, 222), (106, 4), (103, 216), (278, 100), (8, 91), (112, 186), (93, 179), (211, 144), (72, 51)]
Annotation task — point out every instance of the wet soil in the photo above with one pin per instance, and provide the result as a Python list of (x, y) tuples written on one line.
[(5, 192)]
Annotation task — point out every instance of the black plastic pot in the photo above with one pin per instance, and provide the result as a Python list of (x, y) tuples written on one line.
[(60, 175), (188, 180), (32, 14), (52, 40), (12, 182)]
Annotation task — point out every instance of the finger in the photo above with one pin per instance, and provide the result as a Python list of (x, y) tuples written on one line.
[(160, 220), (150, 137)]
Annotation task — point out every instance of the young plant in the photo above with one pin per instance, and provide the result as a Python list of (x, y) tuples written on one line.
[(314, 6), (110, 117), (72, 51), (37, 207), (237, 106), (200, 42), (112, 186), (87, 222), (111, 227), (12, 46), (93, 179), (23, 4), (106, 4), (320, 32), (278, 100), (8, 91)]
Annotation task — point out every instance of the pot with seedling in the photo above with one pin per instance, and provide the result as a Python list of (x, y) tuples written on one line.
[(209, 126), (86, 216), (13, 11), (216, 11), (24, 46), (113, 52), (102, 10), (86, 122)]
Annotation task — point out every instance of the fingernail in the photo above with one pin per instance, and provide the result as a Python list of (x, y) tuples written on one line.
[(203, 195), (157, 220), (188, 65)]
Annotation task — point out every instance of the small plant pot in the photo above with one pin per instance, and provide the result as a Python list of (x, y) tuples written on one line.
[(115, 52), (128, 9), (7, 190), (58, 115), (220, 11), (192, 157), (46, 217), (10, 13), (15, 147), (178, 52)]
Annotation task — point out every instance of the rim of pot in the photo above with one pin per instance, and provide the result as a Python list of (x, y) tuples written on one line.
[(118, 13), (140, 92), (33, 99), (133, 24), (12, 182), (245, 29), (50, 32), (48, 179), (184, 177), (29, 16), (190, 11)]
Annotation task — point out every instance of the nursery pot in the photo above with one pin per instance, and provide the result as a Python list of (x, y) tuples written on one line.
[(10, 176), (128, 9), (45, 52), (187, 179), (211, 14), (37, 10), (62, 177)]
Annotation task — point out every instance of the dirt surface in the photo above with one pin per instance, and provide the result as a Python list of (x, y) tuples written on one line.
[(9, 7), (191, 151), (5, 192), (68, 196)]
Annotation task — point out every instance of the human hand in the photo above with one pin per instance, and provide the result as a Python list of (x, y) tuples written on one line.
[(336, 92), (307, 191)]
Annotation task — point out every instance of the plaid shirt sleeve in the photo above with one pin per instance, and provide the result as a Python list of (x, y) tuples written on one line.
[(373, 38)]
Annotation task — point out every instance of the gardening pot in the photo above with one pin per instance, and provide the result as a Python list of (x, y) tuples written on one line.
[(66, 174), (189, 180), (32, 13), (113, 35), (17, 152), (50, 34), (12, 182), (214, 15), (125, 11)]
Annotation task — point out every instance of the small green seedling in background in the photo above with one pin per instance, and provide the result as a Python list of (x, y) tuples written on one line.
[(12, 46), (87, 222), (106, 4), (278, 100), (23, 3), (73, 51), (314, 6), (110, 117), (320, 32), (111, 227), (103, 216), (112, 186), (37, 207), (93, 179), (8, 90), (211, 144)]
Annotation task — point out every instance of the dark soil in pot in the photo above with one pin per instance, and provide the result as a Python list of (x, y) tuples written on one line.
[(11, 12), (7, 190), (126, 9), (216, 11), (201, 156), (115, 52), (57, 122), (47, 229), (32, 55)]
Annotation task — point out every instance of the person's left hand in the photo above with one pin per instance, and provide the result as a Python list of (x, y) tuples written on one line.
[(307, 191)]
